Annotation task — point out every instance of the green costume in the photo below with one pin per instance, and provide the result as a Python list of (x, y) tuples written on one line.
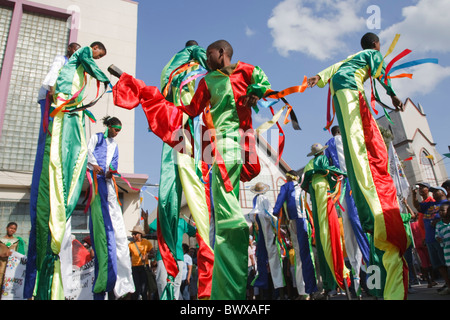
[(63, 172), (218, 97), (367, 162)]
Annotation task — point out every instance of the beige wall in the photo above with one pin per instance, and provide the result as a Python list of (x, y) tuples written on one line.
[(114, 23)]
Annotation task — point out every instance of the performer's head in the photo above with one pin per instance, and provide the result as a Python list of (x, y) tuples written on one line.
[(370, 41), (72, 47), (335, 131), (191, 43), (98, 50), (219, 54), (113, 124), (11, 229), (291, 175)]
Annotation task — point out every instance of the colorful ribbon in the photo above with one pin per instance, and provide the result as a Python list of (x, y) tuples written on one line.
[(115, 172)]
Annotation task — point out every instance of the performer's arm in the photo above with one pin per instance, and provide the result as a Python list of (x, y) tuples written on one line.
[(114, 163), (50, 78), (280, 200), (374, 62), (164, 118), (321, 79), (92, 161), (90, 66), (260, 83)]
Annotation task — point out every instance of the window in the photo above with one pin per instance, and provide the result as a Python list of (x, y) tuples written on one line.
[(40, 39), (427, 167)]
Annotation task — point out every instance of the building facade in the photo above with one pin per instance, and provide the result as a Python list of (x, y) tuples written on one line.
[(33, 33), (413, 141)]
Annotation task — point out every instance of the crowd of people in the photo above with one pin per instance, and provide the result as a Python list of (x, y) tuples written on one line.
[(326, 228)]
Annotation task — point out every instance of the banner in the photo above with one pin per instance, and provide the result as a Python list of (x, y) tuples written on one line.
[(82, 278), (12, 288), (398, 175)]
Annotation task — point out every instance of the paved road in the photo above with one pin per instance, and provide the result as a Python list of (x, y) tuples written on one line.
[(420, 292)]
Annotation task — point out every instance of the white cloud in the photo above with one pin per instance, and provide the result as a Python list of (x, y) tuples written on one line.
[(425, 79), (314, 27), (425, 28), (249, 32)]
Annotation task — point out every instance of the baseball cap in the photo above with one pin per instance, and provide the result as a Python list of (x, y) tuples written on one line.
[(424, 184), (438, 188)]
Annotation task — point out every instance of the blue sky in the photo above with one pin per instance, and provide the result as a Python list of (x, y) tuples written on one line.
[(288, 40)]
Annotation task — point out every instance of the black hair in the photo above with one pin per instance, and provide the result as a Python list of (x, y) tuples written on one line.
[(74, 44), (11, 224), (100, 45), (293, 173), (111, 121), (446, 184), (223, 44), (191, 43), (185, 248), (335, 130), (368, 40)]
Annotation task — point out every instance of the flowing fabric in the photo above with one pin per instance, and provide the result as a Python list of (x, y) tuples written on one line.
[(63, 170), (326, 224), (179, 173), (217, 98), (305, 273), (267, 226), (107, 228), (356, 242), (367, 164)]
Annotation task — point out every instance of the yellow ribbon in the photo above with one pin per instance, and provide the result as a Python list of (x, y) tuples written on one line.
[(391, 48), (266, 125)]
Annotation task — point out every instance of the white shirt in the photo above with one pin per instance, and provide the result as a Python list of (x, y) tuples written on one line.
[(111, 146), (52, 75), (187, 262)]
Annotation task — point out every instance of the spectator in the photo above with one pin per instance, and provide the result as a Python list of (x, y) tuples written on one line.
[(446, 186), (443, 236), (8, 244), (186, 276), (140, 249), (430, 212)]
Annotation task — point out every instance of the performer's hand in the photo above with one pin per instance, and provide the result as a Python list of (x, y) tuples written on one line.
[(97, 169), (108, 175), (398, 104), (313, 81), (250, 100), (144, 214)]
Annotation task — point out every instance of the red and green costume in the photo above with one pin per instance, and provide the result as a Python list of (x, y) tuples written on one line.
[(367, 163), (179, 174), (320, 182), (219, 98)]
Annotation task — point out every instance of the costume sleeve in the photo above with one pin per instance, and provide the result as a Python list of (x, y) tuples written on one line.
[(52, 75), (191, 230), (260, 83), (163, 117), (322, 166), (91, 147), (90, 66), (308, 173), (196, 53), (266, 205), (326, 74), (282, 197), (115, 159), (374, 61)]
